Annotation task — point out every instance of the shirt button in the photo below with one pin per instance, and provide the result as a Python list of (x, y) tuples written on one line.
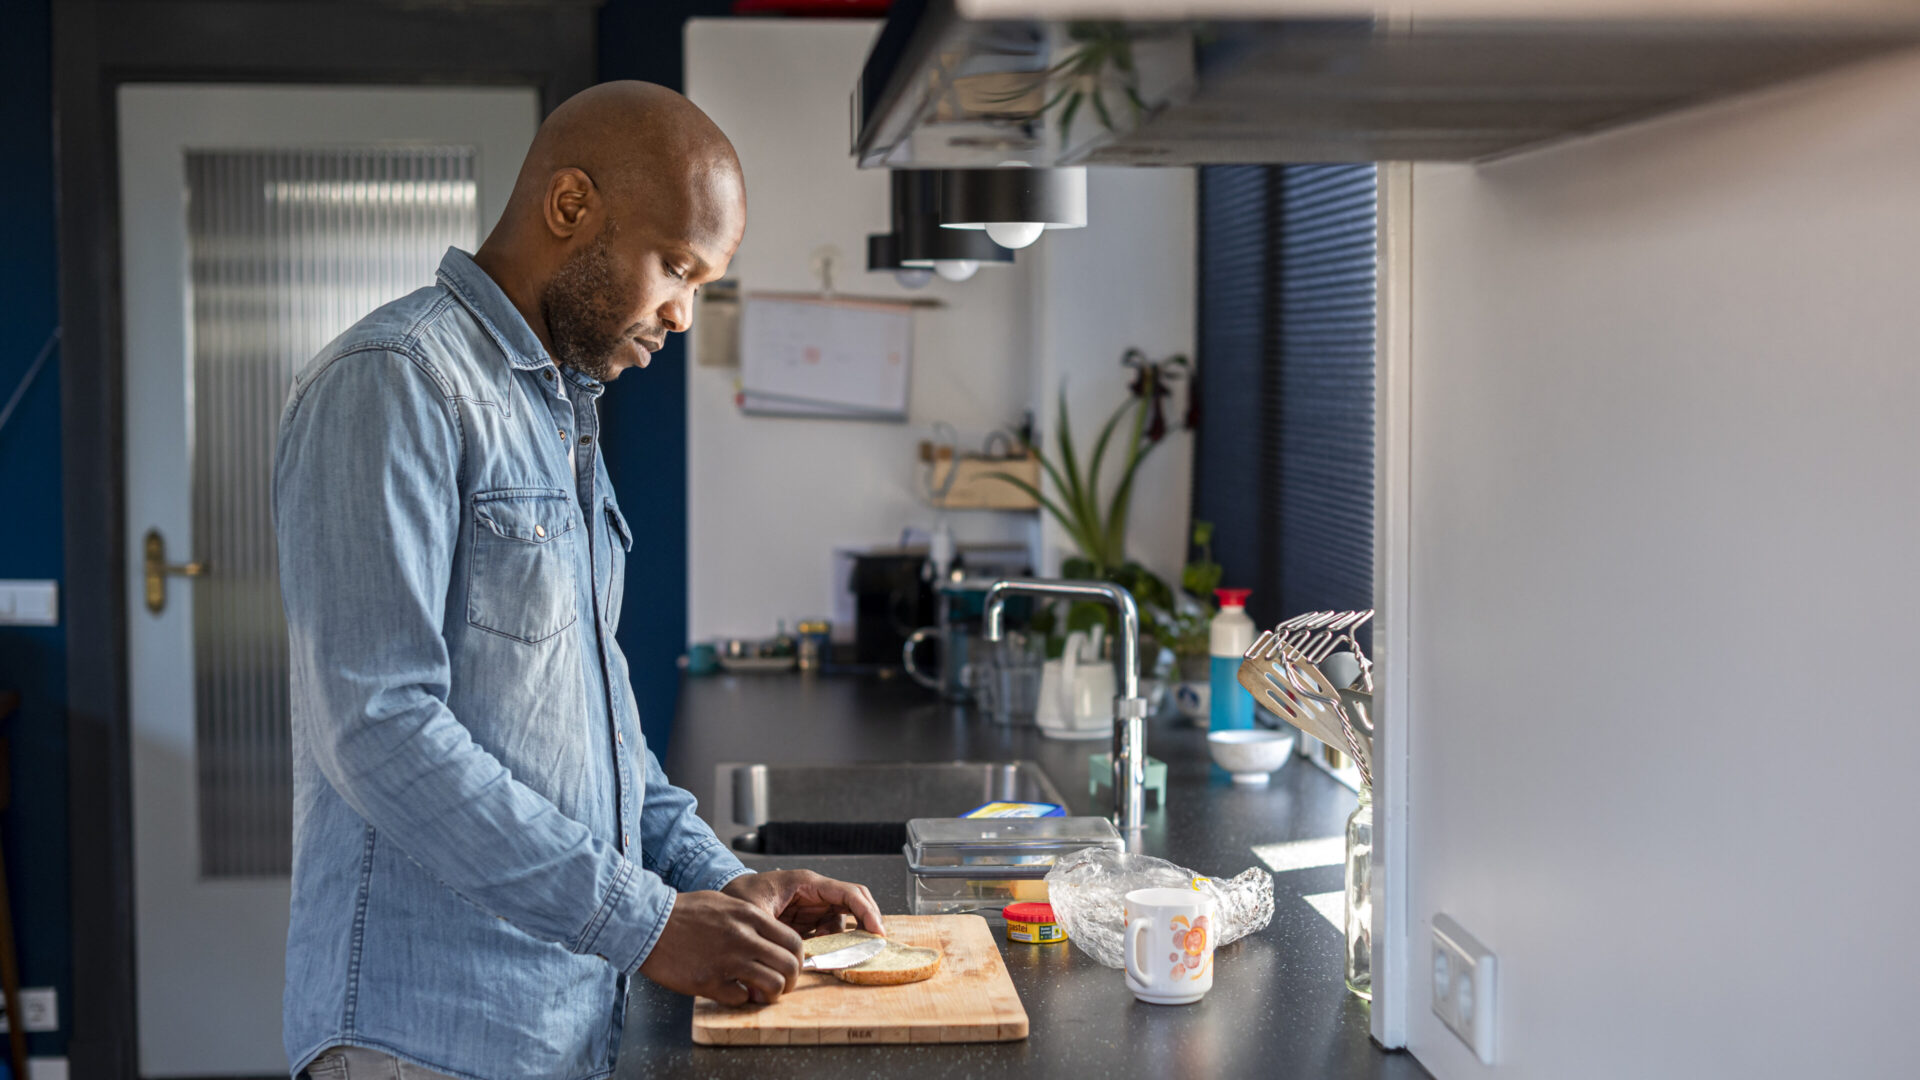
[(539, 530), (626, 840), (586, 440), (619, 739), (563, 434), (548, 374)]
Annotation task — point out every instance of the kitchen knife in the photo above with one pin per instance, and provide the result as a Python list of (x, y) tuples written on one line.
[(858, 953)]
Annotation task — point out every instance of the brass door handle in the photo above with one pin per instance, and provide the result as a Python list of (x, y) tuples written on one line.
[(157, 569)]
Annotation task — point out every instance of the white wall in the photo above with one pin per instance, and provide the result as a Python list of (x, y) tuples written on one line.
[(1666, 433), (1127, 279), (769, 499)]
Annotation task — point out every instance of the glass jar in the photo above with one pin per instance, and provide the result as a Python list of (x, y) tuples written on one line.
[(1360, 896)]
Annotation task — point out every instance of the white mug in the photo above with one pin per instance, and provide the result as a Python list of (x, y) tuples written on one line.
[(1168, 946)]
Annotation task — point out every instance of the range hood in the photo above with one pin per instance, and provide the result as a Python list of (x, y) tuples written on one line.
[(967, 83)]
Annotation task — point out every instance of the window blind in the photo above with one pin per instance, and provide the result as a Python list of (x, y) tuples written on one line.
[(1284, 456)]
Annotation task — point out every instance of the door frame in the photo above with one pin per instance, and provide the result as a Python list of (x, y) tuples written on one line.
[(1394, 958), (98, 45), (183, 918)]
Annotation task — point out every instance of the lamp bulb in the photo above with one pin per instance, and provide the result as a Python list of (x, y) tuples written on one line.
[(956, 269), (1014, 234), (913, 277)]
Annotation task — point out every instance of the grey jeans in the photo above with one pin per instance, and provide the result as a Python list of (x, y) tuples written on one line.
[(360, 1063)]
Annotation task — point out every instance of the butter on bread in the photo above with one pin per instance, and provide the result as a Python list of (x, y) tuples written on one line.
[(827, 943), (895, 965)]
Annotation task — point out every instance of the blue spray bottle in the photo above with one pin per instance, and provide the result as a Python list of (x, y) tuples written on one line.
[(1230, 635)]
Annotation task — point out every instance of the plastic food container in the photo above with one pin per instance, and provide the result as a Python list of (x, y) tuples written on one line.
[(1032, 923), (980, 865)]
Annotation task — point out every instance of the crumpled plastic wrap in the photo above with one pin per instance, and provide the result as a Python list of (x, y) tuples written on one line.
[(1088, 890)]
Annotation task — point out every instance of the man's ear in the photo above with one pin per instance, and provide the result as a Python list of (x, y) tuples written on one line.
[(571, 198)]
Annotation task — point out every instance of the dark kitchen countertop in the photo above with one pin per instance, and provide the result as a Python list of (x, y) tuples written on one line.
[(1279, 1006)]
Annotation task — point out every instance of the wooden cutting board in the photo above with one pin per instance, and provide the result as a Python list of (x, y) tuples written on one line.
[(971, 999)]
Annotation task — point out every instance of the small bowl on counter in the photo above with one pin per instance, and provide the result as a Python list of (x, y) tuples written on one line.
[(1250, 755)]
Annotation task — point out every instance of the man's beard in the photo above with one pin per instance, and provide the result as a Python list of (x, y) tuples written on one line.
[(577, 306)]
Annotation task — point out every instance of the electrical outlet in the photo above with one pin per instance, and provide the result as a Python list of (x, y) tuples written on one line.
[(40, 1005), (1463, 983)]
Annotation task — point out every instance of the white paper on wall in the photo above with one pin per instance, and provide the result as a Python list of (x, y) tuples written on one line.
[(825, 356)]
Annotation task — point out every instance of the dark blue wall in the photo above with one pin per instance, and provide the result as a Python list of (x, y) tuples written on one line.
[(32, 659), (645, 414)]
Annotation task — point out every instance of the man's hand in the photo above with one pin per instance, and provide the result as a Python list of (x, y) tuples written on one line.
[(807, 902), (726, 949)]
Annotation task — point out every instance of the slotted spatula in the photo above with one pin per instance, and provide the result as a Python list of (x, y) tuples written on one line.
[(1263, 673), (1280, 677)]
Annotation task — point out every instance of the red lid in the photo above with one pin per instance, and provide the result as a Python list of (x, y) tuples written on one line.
[(1233, 597), (1030, 911)]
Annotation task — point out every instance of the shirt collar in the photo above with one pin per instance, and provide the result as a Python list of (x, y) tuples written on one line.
[(496, 314)]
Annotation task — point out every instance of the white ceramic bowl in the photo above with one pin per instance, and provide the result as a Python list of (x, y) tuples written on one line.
[(1250, 755)]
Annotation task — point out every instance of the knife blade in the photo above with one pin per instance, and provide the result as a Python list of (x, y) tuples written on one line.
[(858, 953)]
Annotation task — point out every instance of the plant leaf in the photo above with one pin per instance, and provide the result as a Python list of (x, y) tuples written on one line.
[(1080, 567), (1085, 535), (1100, 445), (1133, 95), (1049, 504), (1074, 491), (1123, 494), (1100, 110), (1015, 93), (1066, 115)]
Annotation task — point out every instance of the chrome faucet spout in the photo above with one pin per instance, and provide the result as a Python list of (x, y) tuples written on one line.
[(1129, 708)]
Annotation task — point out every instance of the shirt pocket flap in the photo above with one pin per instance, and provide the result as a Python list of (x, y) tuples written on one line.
[(534, 515), (619, 524)]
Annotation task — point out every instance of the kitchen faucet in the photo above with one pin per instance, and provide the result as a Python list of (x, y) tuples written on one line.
[(1129, 708)]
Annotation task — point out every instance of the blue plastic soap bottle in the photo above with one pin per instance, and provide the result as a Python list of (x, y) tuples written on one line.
[(1229, 706)]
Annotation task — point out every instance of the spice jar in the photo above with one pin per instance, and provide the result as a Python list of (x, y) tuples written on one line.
[(1032, 923)]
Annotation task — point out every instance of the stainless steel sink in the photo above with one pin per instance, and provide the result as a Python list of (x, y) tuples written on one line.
[(750, 795)]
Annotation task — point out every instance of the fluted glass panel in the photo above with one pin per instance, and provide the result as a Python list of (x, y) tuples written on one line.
[(288, 248)]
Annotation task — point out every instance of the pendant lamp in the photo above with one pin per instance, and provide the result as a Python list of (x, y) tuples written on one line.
[(1013, 203), (919, 245)]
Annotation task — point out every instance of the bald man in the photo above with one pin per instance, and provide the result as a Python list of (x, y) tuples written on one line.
[(485, 851)]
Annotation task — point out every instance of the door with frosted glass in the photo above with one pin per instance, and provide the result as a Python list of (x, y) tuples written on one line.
[(258, 223)]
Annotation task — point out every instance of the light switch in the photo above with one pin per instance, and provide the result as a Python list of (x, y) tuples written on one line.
[(29, 603)]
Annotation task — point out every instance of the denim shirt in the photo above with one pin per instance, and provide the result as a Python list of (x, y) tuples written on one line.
[(484, 848)]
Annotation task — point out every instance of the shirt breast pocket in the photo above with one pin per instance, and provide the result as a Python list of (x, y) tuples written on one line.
[(618, 549), (520, 579)]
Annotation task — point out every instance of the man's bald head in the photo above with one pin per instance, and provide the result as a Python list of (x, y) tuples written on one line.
[(629, 199)]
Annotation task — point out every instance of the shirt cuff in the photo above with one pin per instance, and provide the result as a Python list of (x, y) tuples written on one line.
[(728, 879), (630, 919), (707, 866)]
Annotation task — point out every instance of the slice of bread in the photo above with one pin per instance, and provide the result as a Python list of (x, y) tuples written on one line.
[(895, 965), (827, 943)]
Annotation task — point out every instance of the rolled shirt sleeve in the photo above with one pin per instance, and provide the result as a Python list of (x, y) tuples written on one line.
[(367, 507)]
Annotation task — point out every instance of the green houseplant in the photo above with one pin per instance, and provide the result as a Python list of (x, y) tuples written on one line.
[(1187, 627), (1097, 522)]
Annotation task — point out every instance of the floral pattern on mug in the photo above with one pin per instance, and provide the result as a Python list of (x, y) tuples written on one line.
[(1191, 941)]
